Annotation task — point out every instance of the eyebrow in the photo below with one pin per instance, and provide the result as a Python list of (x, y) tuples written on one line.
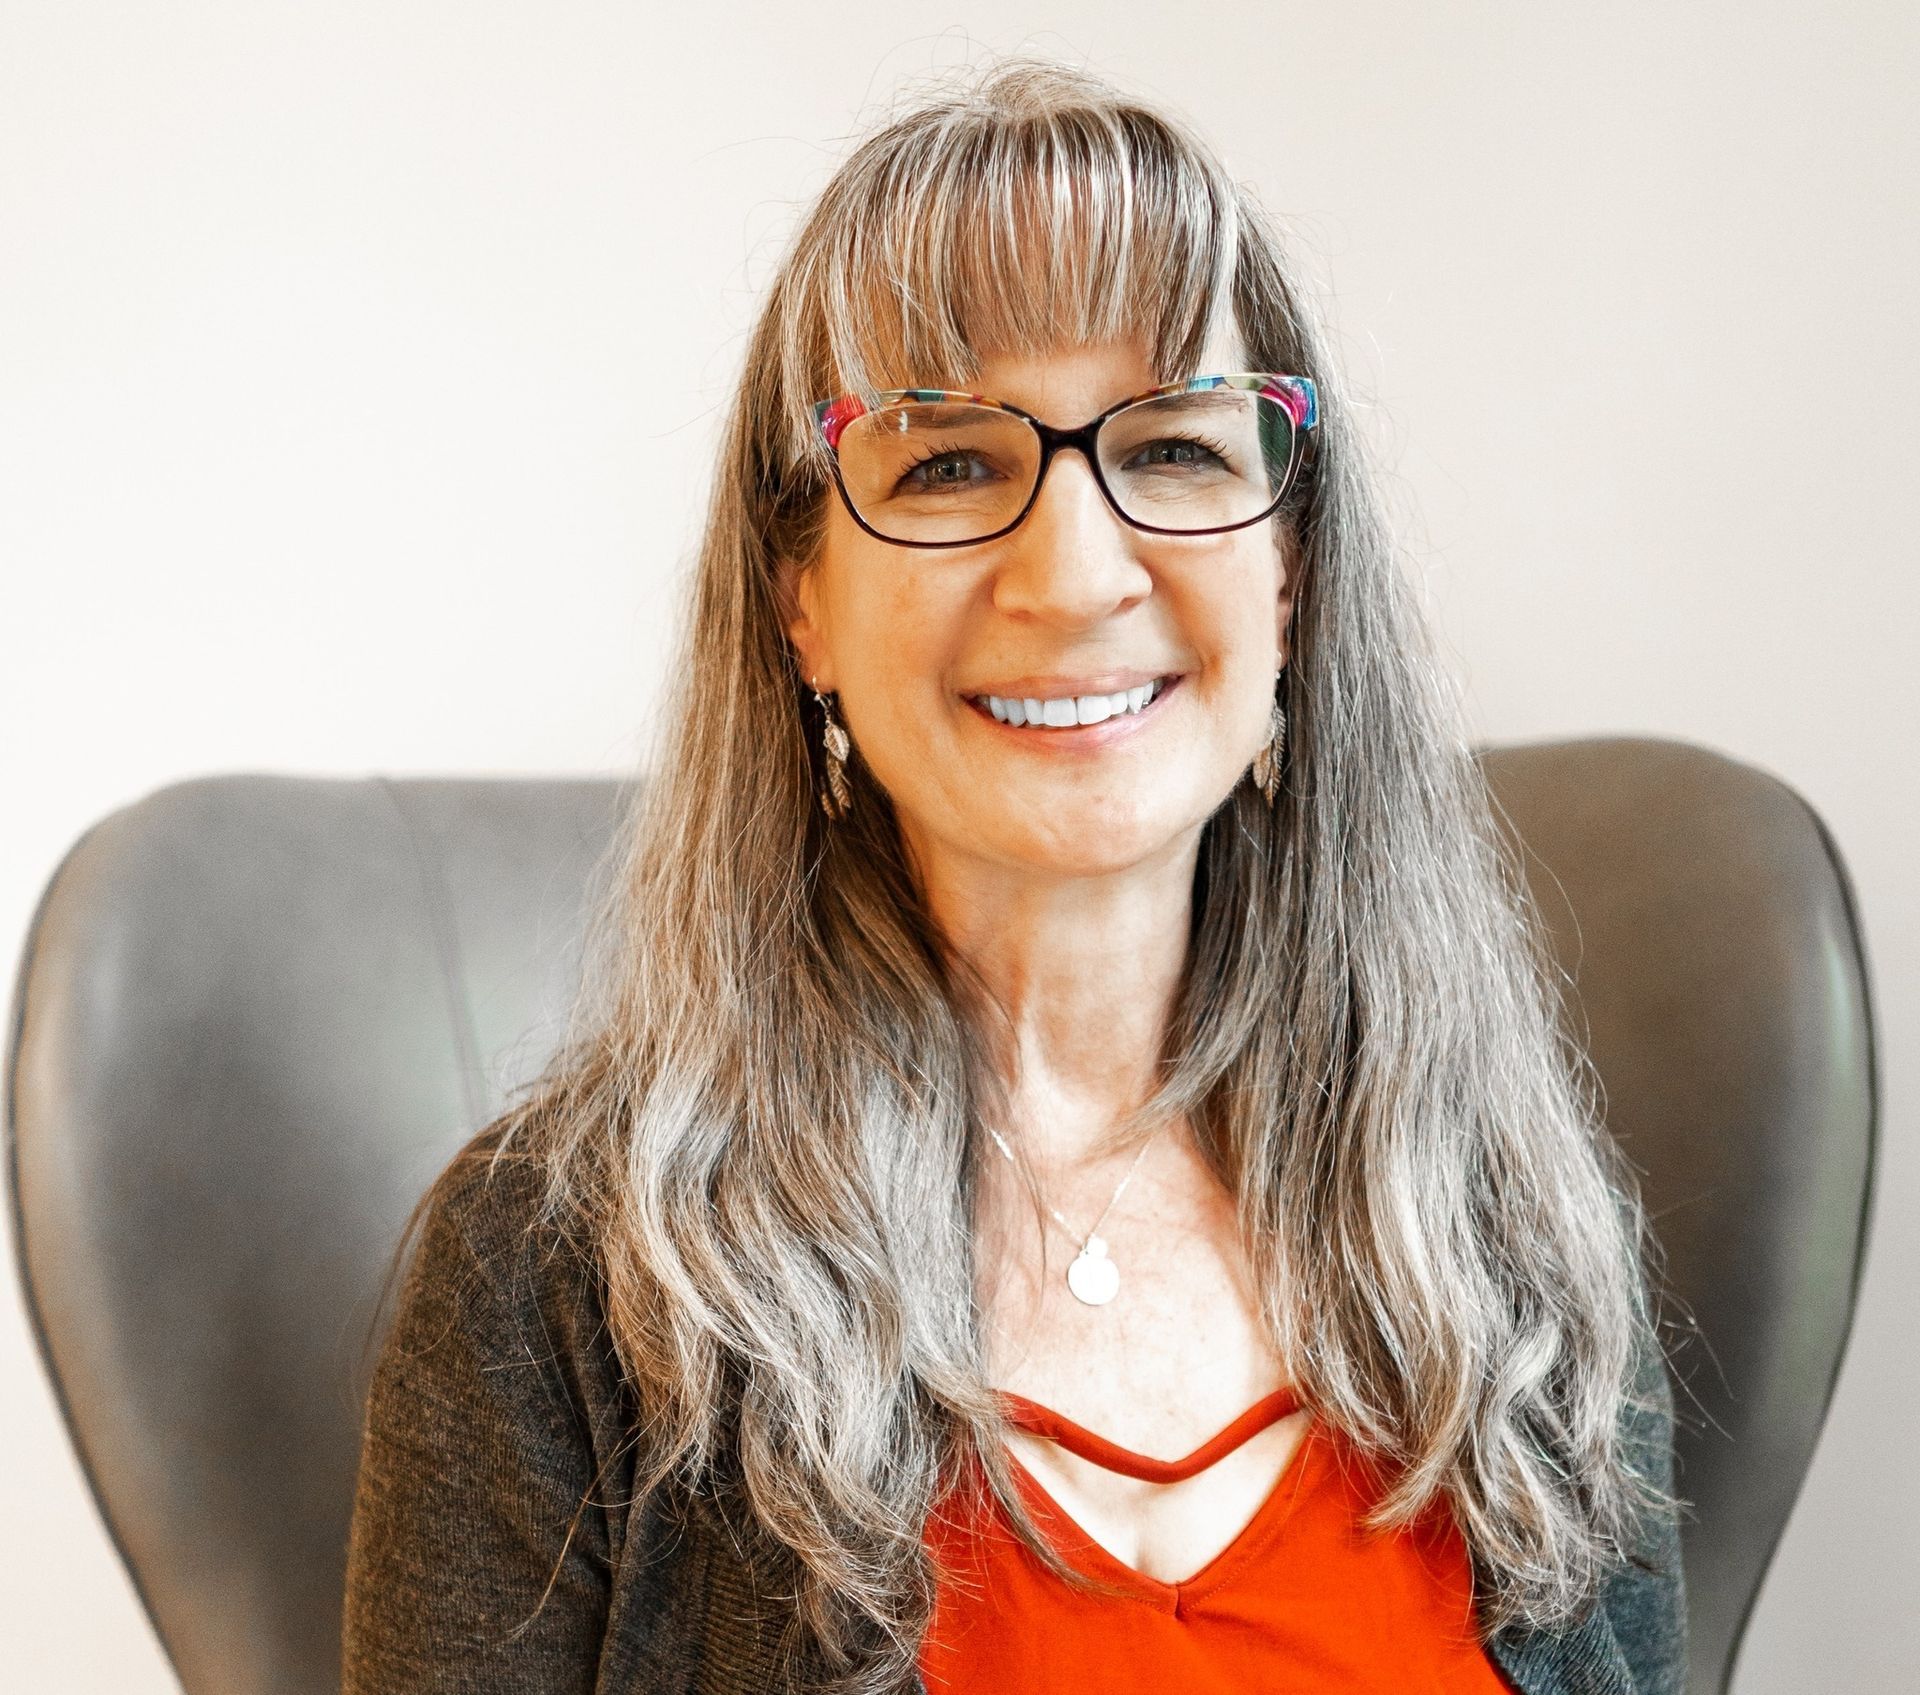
[(1205, 399), (937, 412)]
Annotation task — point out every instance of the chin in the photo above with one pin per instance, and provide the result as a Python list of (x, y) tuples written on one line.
[(1093, 849)]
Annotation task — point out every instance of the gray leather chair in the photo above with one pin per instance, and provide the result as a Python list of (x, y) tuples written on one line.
[(255, 1015)]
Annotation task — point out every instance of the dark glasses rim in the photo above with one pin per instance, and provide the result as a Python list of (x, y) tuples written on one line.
[(1297, 396)]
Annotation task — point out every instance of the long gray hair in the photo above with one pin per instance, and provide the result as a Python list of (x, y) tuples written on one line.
[(768, 1119)]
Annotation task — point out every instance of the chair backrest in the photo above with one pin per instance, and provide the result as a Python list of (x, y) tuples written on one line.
[(254, 1018), (255, 1015), (1719, 982)]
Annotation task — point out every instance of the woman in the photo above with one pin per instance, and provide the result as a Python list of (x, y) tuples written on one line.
[(1071, 1179)]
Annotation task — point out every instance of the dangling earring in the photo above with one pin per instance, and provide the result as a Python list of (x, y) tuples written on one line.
[(1266, 763), (836, 797)]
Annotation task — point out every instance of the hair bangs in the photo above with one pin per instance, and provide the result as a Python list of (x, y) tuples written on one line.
[(968, 232)]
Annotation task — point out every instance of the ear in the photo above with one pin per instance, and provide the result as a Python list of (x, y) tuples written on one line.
[(797, 593), (1289, 575)]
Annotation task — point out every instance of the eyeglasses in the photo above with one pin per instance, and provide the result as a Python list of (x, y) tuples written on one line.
[(931, 468)]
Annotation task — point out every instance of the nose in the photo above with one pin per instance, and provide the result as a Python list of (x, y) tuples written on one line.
[(1074, 561)]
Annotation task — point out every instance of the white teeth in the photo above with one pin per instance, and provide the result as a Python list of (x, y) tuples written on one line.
[(1071, 709)]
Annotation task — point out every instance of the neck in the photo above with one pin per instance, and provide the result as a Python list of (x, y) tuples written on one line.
[(1086, 969)]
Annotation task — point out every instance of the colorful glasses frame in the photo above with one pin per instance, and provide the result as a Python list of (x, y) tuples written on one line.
[(1296, 394)]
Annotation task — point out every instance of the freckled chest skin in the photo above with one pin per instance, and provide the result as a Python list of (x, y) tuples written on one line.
[(1172, 1360)]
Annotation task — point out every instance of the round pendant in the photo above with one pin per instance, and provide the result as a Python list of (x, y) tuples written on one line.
[(1093, 1278)]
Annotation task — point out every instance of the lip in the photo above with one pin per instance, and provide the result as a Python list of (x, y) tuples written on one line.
[(1082, 738), (1054, 684)]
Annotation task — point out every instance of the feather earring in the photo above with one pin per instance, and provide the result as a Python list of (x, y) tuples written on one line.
[(1266, 763), (837, 797)]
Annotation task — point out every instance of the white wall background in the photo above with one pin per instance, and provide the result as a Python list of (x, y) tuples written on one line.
[(359, 365)]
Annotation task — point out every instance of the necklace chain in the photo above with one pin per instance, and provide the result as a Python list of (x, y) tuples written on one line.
[(1093, 1277)]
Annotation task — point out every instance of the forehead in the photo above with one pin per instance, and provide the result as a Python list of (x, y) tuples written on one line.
[(1071, 383), (942, 293)]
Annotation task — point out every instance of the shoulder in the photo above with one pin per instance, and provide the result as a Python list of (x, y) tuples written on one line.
[(1634, 1640), (494, 1513), (485, 1217), (1646, 1599), (491, 1277)]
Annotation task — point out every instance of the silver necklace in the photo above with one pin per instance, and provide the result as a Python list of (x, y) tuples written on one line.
[(1092, 1276)]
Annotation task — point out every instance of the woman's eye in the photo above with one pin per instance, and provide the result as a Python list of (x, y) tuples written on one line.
[(942, 470), (1176, 450)]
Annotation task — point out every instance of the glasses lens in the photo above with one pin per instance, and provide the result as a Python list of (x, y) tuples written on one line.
[(1198, 461), (935, 471)]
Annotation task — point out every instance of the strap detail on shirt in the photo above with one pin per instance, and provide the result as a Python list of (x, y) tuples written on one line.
[(1030, 1416)]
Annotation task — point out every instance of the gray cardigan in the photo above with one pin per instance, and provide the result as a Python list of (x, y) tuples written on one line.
[(497, 1410)]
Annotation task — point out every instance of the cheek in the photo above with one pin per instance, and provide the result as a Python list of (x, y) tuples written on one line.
[(1247, 622), (872, 606), (904, 637), (903, 640), (1239, 613)]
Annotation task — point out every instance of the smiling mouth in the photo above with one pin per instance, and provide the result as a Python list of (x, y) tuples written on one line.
[(1071, 712)]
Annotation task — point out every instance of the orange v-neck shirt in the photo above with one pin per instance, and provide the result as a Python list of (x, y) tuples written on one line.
[(1303, 1598)]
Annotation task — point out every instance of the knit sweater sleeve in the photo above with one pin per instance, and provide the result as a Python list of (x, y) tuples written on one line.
[(1634, 1641), (481, 1553), (1647, 1597)]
